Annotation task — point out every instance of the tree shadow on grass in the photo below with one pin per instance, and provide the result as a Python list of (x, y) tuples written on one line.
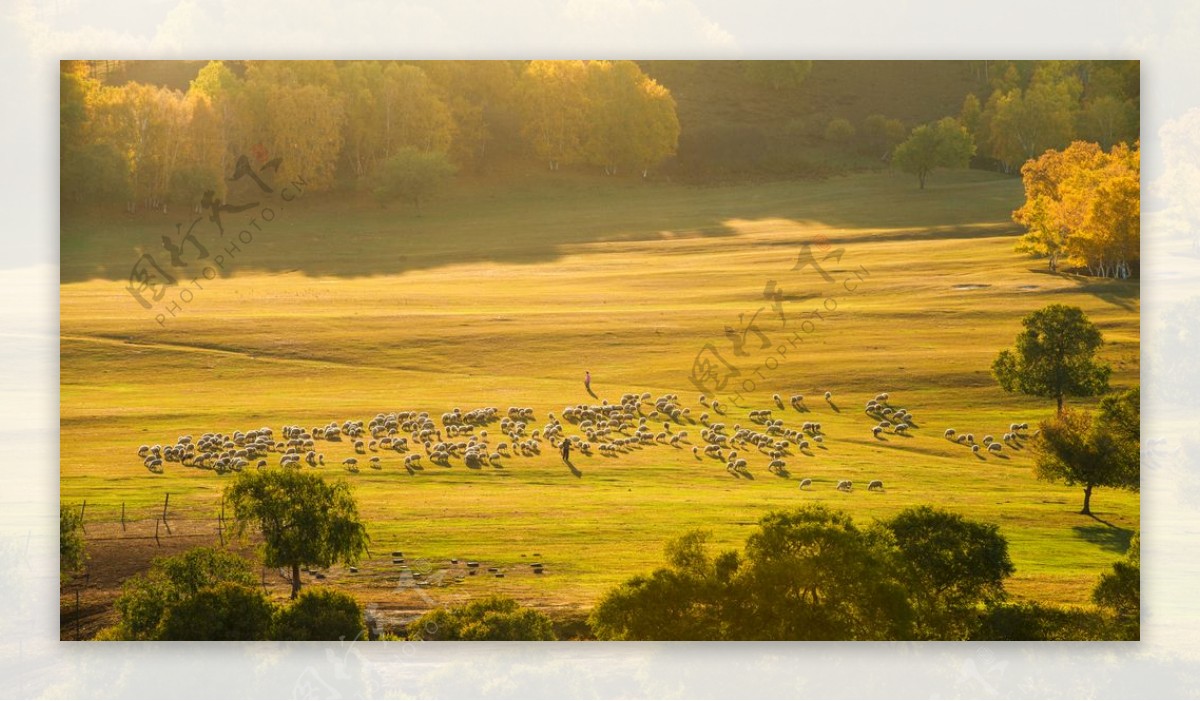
[(1106, 535), (356, 238)]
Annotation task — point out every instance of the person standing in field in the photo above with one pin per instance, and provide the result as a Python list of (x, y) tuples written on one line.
[(587, 381), (566, 452)]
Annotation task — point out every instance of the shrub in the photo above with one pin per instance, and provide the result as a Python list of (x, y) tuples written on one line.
[(225, 612), (145, 598), (491, 618), (839, 130), (72, 550), (321, 614)]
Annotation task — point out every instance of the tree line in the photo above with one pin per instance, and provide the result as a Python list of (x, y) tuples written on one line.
[(1036, 106), (339, 124)]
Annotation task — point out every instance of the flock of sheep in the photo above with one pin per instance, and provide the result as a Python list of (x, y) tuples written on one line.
[(486, 437)]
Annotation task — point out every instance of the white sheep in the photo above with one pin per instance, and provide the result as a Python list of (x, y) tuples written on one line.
[(805, 483), (845, 485), (949, 433), (875, 485)]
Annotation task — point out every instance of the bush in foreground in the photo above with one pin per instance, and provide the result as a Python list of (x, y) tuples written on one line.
[(491, 618)]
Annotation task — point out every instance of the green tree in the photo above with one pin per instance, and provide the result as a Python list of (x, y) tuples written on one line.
[(1023, 620), (481, 99), (1076, 449), (1023, 124), (942, 144), (777, 75), (1054, 356), (412, 176), (971, 116), (881, 134), (839, 130), (811, 574), (952, 566), (72, 549), (687, 600), (146, 598), (226, 611), (304, 520), (1120, 591), (1120, 417), (321, 614), (1109, 120), (491, 618)]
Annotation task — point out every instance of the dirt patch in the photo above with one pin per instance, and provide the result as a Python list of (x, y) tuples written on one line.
[(969, 287)]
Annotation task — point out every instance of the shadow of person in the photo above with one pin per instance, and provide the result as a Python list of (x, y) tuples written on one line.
[(574, 470), (590, 392)]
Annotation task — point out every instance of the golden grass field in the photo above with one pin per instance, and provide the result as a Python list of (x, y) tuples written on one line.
[(503, 295)]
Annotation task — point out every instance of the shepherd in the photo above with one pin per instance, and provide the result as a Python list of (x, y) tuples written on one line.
[(587, 381), (566, 452)]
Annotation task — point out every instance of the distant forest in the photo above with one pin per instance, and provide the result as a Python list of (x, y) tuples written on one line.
[(152, 133)]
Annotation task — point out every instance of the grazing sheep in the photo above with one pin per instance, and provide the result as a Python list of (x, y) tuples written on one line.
[(994, 447), (949, 433), (975, 448), (875, 485), (988, 439), (374, 462), (845, 485), (876, 431), (829, 396), (778, 400), (805, 483)]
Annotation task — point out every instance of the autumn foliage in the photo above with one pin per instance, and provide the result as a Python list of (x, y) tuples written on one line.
[(1083, 207)]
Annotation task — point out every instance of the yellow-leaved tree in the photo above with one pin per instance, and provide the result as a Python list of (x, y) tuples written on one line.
[(553, 109), (631, 119), (1083, 207)]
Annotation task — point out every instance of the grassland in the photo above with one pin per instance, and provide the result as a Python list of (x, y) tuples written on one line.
[(502, 295)]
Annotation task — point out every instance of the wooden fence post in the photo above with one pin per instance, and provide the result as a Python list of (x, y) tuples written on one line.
[(156, 540), (122, 517), (82, 509), (166, 501)]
